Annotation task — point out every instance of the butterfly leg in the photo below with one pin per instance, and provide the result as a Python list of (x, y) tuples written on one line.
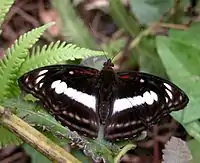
[(84, 145)]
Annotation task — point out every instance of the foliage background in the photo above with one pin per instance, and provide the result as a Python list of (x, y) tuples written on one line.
[(156, 37)]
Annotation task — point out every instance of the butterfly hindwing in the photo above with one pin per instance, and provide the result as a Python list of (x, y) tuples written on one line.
[(66, 92), (142, 100), (85, 99)]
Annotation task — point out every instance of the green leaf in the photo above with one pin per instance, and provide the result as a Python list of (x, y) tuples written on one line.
[(149, 60), (38, 117), (123, 18), (55, 53), (73, 28), (4, 8), (14, 57), (194, 147), (145, 12), (79, 154), (179, 72), (8, 138), (113, 46), (36, 157), (193, 128), (148, 11), (186, 47), (32, 113), (94, 62)]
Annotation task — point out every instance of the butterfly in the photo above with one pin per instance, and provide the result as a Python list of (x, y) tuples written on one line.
[(119, 104)]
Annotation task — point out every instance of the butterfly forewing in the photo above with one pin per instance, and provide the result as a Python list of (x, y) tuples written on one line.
[(142, 100), (66, 92), (85, 99)]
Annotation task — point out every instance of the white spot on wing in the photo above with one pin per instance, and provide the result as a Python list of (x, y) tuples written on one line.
[(42, 72), (27, 79), (180, 98), (61, 88), (71, 72), (154, 95), (41, 84), (85, 120), (148, 98), (168, 86), (127, 124), (39, 78), (83, 98), (125, 103), (141, 81), (138, 100), (169, 93), (119, 125), (71, 115), (77, 117), (133, 122), (169, 104), (121, 104), (55, 84)]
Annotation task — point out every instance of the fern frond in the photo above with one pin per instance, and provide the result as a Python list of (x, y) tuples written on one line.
[(55, 53), (15, 56), (4, 8)]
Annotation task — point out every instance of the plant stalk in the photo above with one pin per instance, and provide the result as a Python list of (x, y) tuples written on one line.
[(33, 137)]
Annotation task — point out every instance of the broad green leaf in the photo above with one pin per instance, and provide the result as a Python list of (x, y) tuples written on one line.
[(193, 129), (32, 113), (194, 147), (123, 18), (148, 11), (94, 62), (186, 47), (145, 12), (189, 36), (180, 74), (79, 154), (149, 60)]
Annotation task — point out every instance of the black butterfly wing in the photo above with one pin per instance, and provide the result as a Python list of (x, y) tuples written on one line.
[(66, 91), (142, 100)]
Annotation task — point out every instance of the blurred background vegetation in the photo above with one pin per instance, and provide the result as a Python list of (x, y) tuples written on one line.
[(160, 37)]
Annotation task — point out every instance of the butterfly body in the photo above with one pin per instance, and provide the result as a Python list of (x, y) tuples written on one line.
[(85, 99)]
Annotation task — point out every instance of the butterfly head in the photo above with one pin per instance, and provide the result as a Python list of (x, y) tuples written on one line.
[(108, 63)]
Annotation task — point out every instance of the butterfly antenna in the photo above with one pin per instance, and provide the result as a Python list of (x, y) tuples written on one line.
[(100, 47)]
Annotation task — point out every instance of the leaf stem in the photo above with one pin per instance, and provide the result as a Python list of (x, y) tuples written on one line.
[(34, 138), (124, 150)]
